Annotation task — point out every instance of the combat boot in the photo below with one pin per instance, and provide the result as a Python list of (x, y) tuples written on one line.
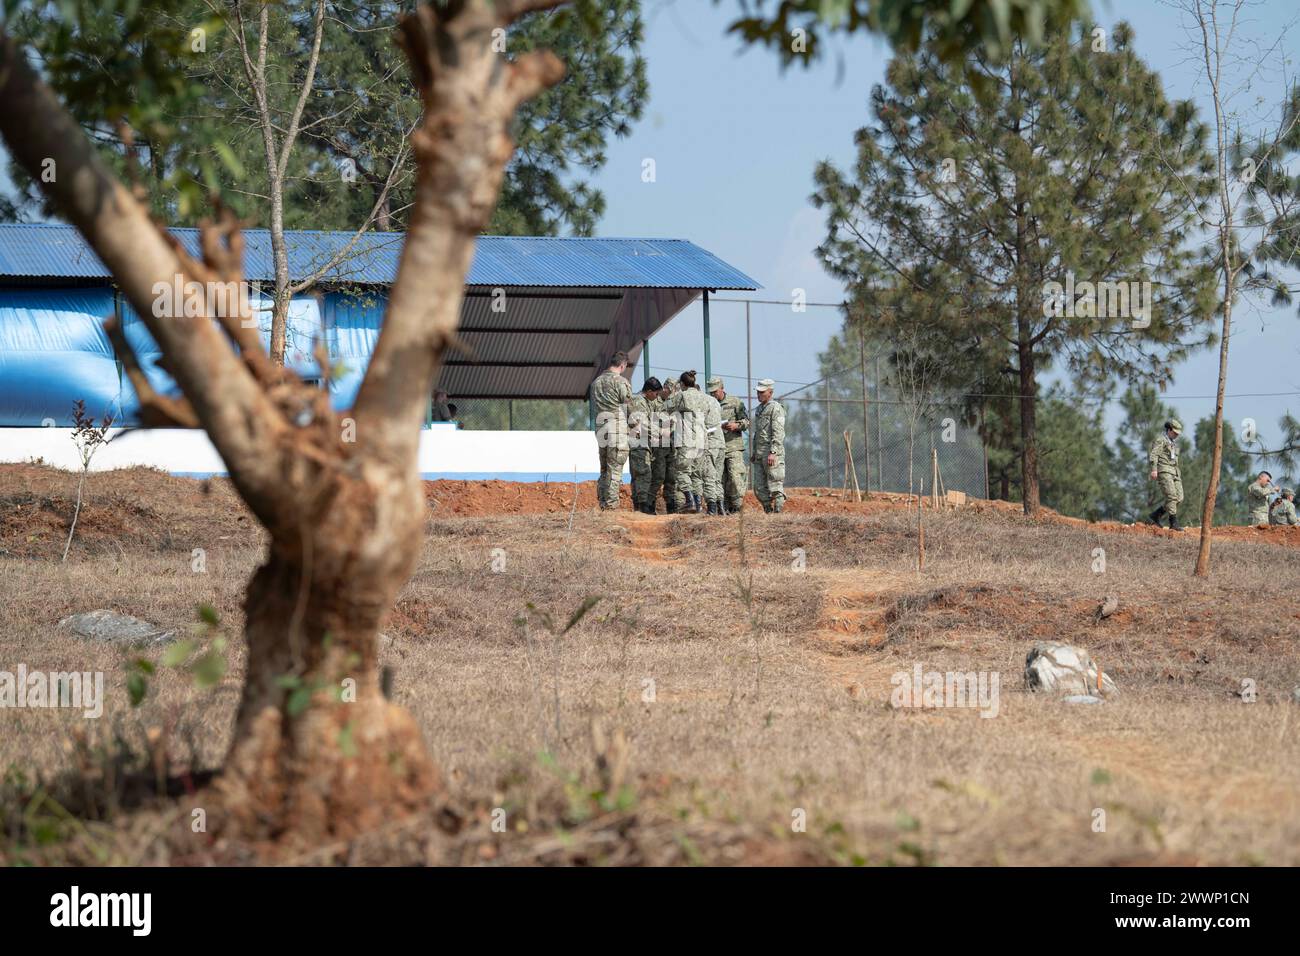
[(1173, 523), (1156, 516), (777, 505), (715, 508)]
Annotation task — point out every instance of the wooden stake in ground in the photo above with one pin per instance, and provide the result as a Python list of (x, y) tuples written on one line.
[(920, 533), (850, 469), (934, 476)]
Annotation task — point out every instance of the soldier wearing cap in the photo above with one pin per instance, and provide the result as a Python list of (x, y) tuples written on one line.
[(768, 451), (1257, 493), (1283, 510), (640, 451), (710, 469), (731, 473), (1165, 470)]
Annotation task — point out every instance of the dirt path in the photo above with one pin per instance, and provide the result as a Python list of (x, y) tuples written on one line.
[(648, 538)]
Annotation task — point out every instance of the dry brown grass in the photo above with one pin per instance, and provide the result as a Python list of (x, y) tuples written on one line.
[(759, 710)]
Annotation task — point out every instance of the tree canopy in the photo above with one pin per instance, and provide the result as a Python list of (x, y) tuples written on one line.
[(1040, 216)]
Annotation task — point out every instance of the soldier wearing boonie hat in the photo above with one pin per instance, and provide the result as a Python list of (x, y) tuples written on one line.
[(768, 453)]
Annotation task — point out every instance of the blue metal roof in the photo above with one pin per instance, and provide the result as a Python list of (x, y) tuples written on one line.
[(57, 251)]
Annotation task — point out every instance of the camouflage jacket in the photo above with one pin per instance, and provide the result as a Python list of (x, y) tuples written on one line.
[(713, 423), (1164, 456), (1283, 512), (662, 420), (639, 411), (610, 393), (769, 430), (1257, 497), (733, 410), (689, 412)]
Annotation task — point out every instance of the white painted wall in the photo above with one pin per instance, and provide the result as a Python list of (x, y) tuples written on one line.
[(445, 452)]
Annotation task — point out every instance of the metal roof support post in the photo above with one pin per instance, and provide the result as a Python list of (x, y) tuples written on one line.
[(708, 352), (749, 396), (645, 351)]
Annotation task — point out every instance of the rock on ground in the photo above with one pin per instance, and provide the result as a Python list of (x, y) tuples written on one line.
[(1064, 669), (113, 628)]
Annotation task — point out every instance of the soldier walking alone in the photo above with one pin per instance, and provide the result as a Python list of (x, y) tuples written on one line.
[(1165, 470)]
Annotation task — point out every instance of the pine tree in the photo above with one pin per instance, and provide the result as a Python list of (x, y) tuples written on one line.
[(981, 194)]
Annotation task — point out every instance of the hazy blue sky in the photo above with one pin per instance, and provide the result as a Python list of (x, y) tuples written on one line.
[(735, 141)]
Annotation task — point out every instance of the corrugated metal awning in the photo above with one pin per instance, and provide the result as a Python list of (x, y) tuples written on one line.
[(541, 316), (54, 250)]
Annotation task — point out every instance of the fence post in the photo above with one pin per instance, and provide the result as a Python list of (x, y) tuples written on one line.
[(866, 415), (749, 392), (708, 345), (826, 393), (880, 440)]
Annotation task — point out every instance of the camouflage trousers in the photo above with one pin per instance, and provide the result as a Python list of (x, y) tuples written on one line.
[(732, 476), (671, 495), (769, 482), (1171, 487), (694, 471), (659, 458), (1259, 516), (612, 459), (713, 474), (639, 463)]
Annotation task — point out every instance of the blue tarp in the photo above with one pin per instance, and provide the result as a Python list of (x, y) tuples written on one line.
[(53, 351)]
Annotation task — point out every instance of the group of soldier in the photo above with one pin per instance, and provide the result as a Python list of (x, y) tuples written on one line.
[(686, 443), (1165, 470)]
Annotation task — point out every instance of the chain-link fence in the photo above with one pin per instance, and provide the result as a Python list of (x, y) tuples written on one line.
[(896, 439), (897, 433)]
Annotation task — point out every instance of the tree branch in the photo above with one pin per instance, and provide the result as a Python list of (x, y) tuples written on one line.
[(461, 147)]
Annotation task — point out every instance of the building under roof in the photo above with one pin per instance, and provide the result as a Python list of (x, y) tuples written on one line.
[(541, 316)]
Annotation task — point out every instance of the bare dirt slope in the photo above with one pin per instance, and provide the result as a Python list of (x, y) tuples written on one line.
[(727, 699)]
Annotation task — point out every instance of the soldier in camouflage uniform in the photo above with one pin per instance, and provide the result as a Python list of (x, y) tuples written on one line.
[(660, 448), (1164, 469), (735, 420), (690, 411), (672, 504), (768, 453), (610, 393), (1283, 510), (1257, 493), (640, 454), (715, 449)]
